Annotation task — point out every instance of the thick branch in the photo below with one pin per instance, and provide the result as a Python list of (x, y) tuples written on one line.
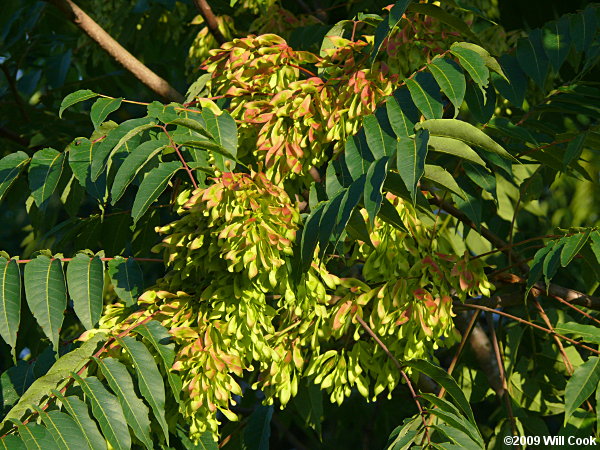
[(210, 19), (117, 51)]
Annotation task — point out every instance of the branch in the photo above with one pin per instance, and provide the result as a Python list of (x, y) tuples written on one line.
[(210, 19), (117, 51), (569, 295)]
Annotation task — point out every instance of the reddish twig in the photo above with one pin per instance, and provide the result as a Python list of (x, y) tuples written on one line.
[(175, 147)]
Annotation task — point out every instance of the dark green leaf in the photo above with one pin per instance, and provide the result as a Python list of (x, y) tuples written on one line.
[(224, 131), (64, 430), (473, 63), (572, 246), (587, 333), (327, 221), (36, 436), (442, 177), (514, 89), (258, 429), (380, 143), (351, 198), (102, 108), (532, 58), (10, 302), (161, 340), (85, 279), (451, 80), (134, 409), (10, 168), (12, 442), (79, 412), (481, 177), (46, 294), (107, 411), (150, 380), (552, 261), (426, 95), (441, 377), (115, 139), (537, 266), (465, 132), (133, 164), (44, 174), (481, 103), (81, 154), (153, 184), (469, 202), (583, 28), (574, 149), (581, 385), (557, 41), (402, 113), (373, 186), (127, 279), (454, 147), (75, 97), (411, 154), (310, 235), (358, 156), (387, 24)]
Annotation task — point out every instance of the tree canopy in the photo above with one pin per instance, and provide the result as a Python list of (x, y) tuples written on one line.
[(282, 224)]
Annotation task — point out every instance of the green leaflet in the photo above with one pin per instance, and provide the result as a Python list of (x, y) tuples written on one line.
[(441, 176), (481, 102), (46, 294), (583, 28), (373, 195), (161, 340), (35, 436), (454, 147), (441, 377), (574, 149), (402, 112), (81, 154), (481, 177), (465, 132), (587, 333), (258, 429), (85, 278), (532, 58), (557, 41), (10, 168), (451, 80), (12, 442), (459, 437), (310, 235), (572, 246), (107, 411), (581, 385), (429, 9), (59, 373), (115, 139), (552, 261), (150, 380), (75, 97), (64, 430), (336, 31), (473, 63), (127, 279), (79, 412), (426, 95), (133, 164), (387, 24), (10, 302), (134, 409), (223, 130), (469, 202), (44, 174), (535, 273), (514, 89), (358, 156), (351, 198), (153, 184), (489, 60), (411, 154), (380, 143), (332, 182), (327, 221), (102, 108)]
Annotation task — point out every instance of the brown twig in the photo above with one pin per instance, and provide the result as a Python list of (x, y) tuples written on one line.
[(13, 87), (531, 324), (501, 373), (117, 51), (211, 20)]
